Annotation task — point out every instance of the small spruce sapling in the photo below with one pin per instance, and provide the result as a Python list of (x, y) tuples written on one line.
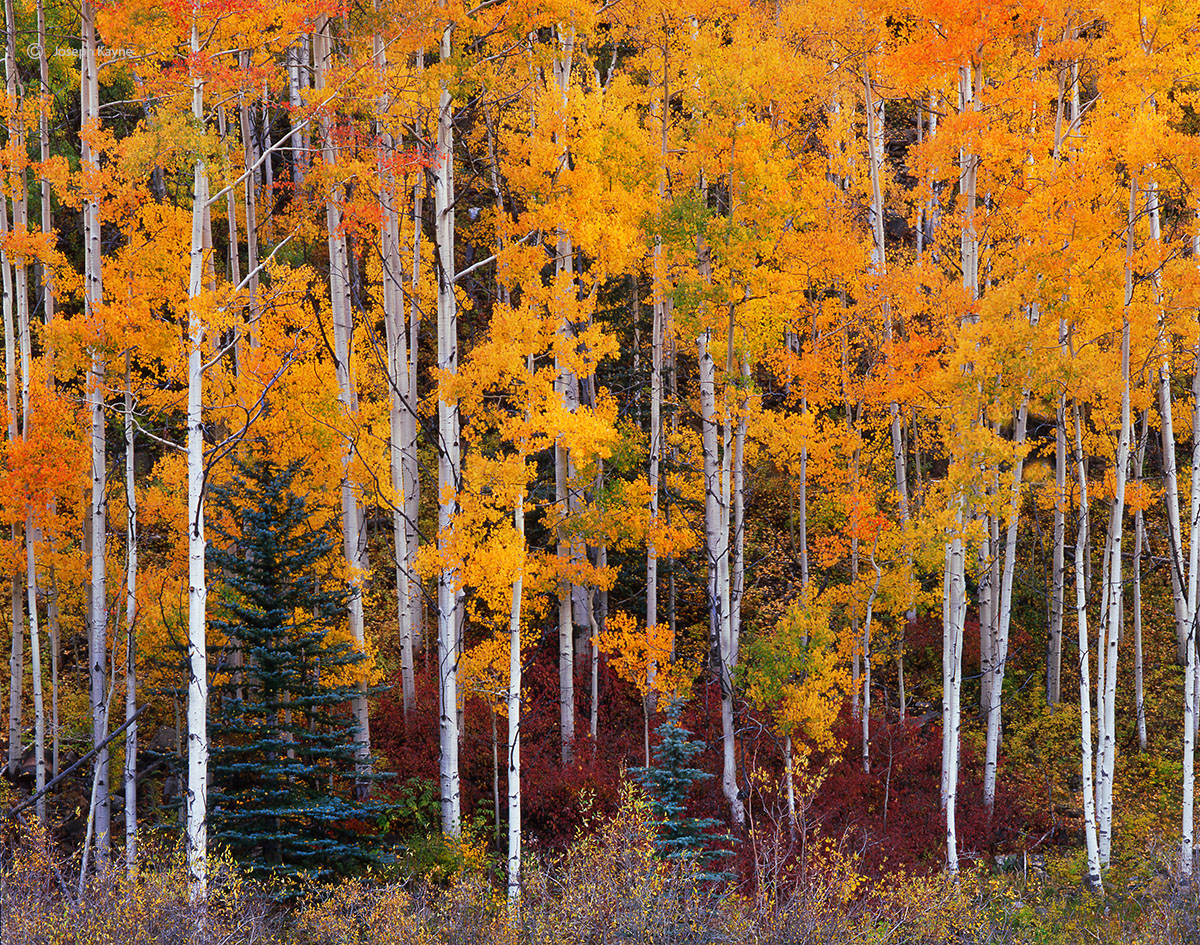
[(668, 782)]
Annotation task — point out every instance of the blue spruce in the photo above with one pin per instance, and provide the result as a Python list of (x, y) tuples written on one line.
[(668, 782), (281, 732)]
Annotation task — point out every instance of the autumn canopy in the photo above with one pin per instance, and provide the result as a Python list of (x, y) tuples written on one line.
[(743, 358)]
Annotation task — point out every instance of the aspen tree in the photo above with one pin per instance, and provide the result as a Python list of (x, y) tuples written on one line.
[(1058, 604), (48, 310), (354, 539), (954, 606), (1113, 589), (514, 696), (20, 287), (1139, 537), (565, 497), (400, 400), (196, 795), (16, 663), (716, 548), (999, 654), (449, 590), (1187, 850), (250, 154), (1085, 694), (131, 576), (657, 341), (93, 299)]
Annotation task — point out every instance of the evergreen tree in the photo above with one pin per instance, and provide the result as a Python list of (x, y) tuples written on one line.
[(282, 735), (669, 782)]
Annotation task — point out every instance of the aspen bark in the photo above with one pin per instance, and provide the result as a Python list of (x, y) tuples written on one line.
[(411, 470), (658, 332), (738, 565), (250, 151), (1054, 642), (196, 796), (719, 630), (400, 401), (16, 663), (21, 273), (1139, 536), (131, 574), (954, 610), (954, 597), (35, 655), (235, 263), (354, 539), (93, 297), (866, 715), (297, 79), (449, 599), (1085, 695), (514, 717), (1004, 616), (567, 387), (1187, 849), (48, 309), (790, 782), (1113, 585), (1191, 665)]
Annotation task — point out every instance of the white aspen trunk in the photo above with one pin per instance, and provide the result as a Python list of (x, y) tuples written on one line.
[(1191, 665), (296, 54), (1004, 617), (855, 628), (656, 392), (932, 214), (514, 720), (412, 481), (131, 572), (196, 796), (44, 143), (1058, 565), (400, 400), (717, 600), (48, 359), (264, 128), (789, 782), (354, 544), (954, 616), (52, 629), (1139, 535), (594, 670), (235, 263), (1187, 851), (251, 204), (967, 181), (93, 297), (987, 553), (16, 663), (448, 460), (1113, 587), (727, 447), (954, 605), (35, 655), (738, 563), (21, 272), (1085, 696), (802, 501), (1101, 653), (567, 387), (658, 332), (39, 713), (866, 715)]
